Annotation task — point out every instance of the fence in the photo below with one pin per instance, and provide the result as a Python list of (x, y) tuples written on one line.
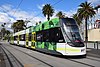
[(95, 45)]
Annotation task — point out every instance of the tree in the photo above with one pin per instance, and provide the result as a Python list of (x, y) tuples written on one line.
[(3, 25), (7, 32), (3, 31), (97, 7), (60, 14), (86, 11), (48, 11), (18, 26)]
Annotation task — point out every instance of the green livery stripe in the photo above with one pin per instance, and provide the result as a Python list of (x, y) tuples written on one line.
[(47, 25), (46, 45), (50, 46), (42, 45)]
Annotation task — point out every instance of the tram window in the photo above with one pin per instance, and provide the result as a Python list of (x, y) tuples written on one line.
[(51, 35), (46, 36), (15, 37), (56, 35), (22, 37), (30, 34), (39, 36), (61, 38), (34, 37)]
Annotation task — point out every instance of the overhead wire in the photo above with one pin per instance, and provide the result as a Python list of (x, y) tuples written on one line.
[(52, 5), (18, 7)]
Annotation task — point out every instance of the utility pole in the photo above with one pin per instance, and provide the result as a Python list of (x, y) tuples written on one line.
[(26, 22)]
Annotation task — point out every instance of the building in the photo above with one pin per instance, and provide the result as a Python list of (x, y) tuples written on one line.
[(94, 33)]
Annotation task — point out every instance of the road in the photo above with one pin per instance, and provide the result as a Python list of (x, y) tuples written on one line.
[(31, 58)]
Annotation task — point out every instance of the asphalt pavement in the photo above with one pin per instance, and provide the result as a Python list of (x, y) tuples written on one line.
[(2, 61), (30, 57)]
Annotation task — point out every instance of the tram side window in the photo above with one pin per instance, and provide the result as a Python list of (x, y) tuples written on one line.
[(46, 36), (61, 38), (22, 37), (30, 36), (53, 35), (56, 35), (15, 37), (39, 36)]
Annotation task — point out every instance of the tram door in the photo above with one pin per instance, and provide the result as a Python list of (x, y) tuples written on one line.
[(26, 37), (33, 40)]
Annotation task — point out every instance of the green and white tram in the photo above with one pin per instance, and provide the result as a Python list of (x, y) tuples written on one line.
[(57, 36)]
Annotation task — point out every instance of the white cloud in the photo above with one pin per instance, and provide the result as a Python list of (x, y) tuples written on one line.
[(95, 2), (40, 6), (3, 17), (70, 13), (67, 14), (5, 8), (9, 15)]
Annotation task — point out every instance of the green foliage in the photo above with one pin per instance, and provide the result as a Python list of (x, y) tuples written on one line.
[(3, 31), (3, 25), (97, 7), (18, 26), (86, 11), (60, 14), (77, 19), (48, 11)]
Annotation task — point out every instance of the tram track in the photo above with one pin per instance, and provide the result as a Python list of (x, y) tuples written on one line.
[(66, 59), (93, 59), (33, 57), (81, 63), (10, 57), (50, 65)]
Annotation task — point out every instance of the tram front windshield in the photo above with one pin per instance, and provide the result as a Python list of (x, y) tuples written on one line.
[(72, 33)]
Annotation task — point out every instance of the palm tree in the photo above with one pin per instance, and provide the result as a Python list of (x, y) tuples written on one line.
[(60, 14), (85, 12), (48, 11), (97, 7), (77, 19)]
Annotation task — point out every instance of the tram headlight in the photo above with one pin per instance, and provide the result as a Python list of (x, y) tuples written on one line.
[(82, 50)]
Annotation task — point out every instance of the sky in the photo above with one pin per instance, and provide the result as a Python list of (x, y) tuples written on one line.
[(12, 10)]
